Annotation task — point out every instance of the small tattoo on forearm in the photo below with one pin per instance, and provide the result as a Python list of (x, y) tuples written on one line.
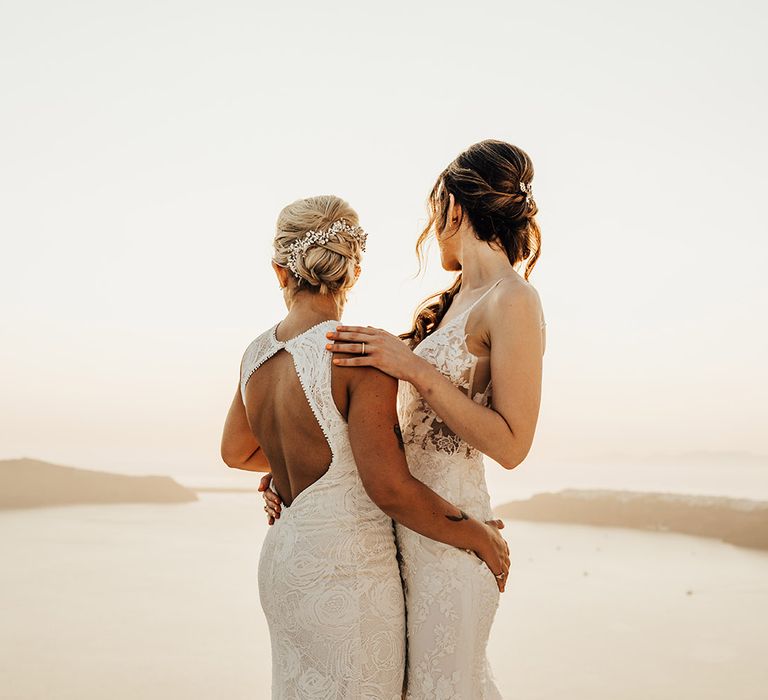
[(457, 518), (399, 436)]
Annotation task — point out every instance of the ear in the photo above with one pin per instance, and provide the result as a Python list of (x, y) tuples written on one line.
[(358, 269), (454, 211), (281, 273)]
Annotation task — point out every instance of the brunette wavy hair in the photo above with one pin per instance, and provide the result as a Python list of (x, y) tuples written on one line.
[(491, 181)]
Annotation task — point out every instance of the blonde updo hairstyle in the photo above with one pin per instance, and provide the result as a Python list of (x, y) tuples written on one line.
[(325, 268)]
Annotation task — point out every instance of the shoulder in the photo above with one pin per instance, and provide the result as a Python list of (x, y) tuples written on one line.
[(257, 347), (515, 297), (261, 338), (367, 383), (265, 334)]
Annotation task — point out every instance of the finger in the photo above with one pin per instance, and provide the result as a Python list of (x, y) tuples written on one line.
[(363, 361), (264, 482), (270, 495), (499, 581), (349, 348), (365, 330), (351, 337)]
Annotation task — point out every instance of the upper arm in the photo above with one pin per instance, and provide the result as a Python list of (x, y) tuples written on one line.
[(374, 433), (238, 443), (517, 345)]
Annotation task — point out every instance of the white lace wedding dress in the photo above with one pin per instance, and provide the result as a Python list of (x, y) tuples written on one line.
[(328, 575), (451, 595)]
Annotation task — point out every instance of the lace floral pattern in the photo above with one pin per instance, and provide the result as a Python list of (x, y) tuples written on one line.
[(451, 595), (328, 575), (447, 351)]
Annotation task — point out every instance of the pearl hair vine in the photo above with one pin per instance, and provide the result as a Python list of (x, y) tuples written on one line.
[(299, 247)]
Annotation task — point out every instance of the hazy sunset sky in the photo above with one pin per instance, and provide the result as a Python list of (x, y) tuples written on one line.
[(147, 148)]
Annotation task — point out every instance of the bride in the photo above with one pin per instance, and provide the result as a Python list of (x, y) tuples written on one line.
[(470, 384), (328, 576)]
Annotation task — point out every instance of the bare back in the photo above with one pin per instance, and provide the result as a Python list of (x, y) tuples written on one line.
[(281, 415), (328, 576)]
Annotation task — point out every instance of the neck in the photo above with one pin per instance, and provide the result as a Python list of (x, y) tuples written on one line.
[(481, 264), (307, 309)]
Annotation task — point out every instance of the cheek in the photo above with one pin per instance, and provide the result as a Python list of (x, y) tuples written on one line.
[(448, 248)]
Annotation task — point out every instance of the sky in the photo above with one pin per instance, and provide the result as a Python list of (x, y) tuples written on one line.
[(147, 148)]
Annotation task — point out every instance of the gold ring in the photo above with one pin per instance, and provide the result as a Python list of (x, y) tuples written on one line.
[(362, 352)]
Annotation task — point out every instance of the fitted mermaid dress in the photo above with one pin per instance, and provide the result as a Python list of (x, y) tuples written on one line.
[(451, 595), (328, 575)]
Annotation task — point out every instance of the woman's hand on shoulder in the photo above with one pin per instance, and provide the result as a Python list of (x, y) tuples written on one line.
[(375, 347)]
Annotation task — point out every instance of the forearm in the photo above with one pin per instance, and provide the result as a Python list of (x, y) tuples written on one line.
[(414, 505), (479, 426), (256, 462)]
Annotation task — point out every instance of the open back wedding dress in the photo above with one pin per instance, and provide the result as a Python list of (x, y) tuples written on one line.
[(328, 575)]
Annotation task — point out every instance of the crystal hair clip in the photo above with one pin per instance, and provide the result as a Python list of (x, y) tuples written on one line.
[(299, 247), (527, 190)]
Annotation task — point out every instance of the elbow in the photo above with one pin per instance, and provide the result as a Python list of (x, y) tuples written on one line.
[(512, 458), (229, 459), (386, 496)]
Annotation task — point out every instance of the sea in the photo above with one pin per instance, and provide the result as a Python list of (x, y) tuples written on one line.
[(160, 601)]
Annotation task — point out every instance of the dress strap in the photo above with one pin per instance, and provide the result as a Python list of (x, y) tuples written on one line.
[(256, 354), (482, 296), (313, 364)]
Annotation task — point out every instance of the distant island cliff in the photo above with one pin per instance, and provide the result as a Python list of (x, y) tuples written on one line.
[(736, 521), (30, 483)]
